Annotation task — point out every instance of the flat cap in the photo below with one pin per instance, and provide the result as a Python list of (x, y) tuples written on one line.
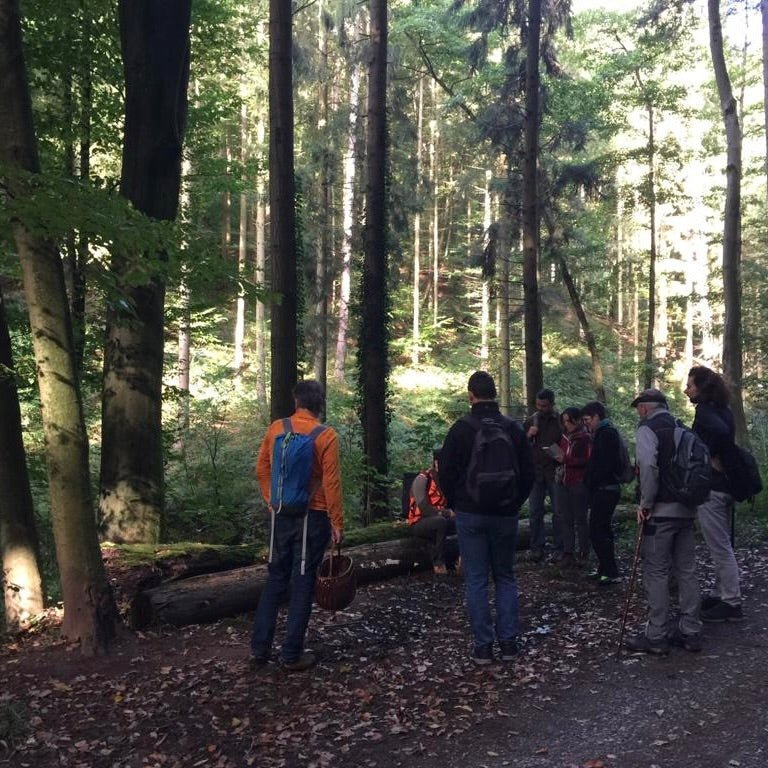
[(650, 396)]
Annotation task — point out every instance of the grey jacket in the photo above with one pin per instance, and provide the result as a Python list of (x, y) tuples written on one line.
[(646, 454)]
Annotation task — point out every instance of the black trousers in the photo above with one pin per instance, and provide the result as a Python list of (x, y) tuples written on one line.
[(602, 504)]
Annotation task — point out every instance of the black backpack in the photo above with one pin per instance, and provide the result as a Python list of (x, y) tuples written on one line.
[(744, 477), (687, 478), (626, 468), (493, 472)]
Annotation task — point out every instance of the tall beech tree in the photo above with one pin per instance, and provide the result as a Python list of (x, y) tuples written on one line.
[(373, 356), (90, 613), (534, 367), (155, 46), (732, 352), (282, 208), (20, 577)]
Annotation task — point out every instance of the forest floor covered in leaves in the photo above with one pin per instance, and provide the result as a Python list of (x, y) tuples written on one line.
[(395, 687)]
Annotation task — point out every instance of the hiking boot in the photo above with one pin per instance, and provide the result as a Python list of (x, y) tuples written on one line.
[(609, 581), (482, 655), (722, 612), (710, 601), (642, 644), (509, 649), (257, 661), (306, 661), (691, 643)]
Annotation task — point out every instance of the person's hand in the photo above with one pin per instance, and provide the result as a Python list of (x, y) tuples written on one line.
[(337, 535), (643, 513), (449, 514), (532, 431)]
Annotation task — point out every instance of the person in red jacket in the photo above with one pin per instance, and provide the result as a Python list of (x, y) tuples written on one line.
[(428, 513), (575, 448)]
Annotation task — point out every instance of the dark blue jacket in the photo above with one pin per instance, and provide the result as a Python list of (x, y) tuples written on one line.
[(714, 425), (457, 452)]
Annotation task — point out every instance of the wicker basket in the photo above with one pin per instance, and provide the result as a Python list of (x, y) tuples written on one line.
[(336, 582)]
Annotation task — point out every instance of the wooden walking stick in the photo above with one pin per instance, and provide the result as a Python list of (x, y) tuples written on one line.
[(631, 586)]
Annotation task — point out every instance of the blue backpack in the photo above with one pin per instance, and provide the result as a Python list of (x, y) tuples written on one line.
[(292, 460)]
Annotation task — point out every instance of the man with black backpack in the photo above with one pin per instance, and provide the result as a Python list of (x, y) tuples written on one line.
[(486, 475), (667, 455), (299, 475)]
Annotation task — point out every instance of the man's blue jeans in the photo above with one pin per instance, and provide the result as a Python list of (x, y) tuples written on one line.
[(488, 542), (541, 489), (285, 572)]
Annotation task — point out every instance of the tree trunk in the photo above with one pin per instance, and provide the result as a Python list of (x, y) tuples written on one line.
[(434, 142), (90, 613), (485, 276), (282, 206), (732, 352), (597, 367), (20, 570), (260, 276), (373, 358), (764, 18), (416, 303), (649, 366), (532, 302), (323, 253), (506, 227), (242, 255), (347, 208), (131, 503)]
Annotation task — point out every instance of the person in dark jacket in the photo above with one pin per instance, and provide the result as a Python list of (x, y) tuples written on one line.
[(487, 535), (573, 455), (543, 429), (601, 478), (713, 423), (669, 546)]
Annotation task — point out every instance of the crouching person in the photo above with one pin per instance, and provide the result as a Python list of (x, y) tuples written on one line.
[(668, 535), (428, 514)]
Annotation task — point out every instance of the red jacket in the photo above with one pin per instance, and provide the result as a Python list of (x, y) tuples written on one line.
[(576, 448)]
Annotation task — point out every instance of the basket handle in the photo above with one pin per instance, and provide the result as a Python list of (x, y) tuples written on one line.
[(338, 555)]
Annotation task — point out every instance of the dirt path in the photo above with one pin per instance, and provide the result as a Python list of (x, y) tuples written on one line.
[(395, 688)]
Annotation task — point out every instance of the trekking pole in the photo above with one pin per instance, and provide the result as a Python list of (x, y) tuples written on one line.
[(631, 586)]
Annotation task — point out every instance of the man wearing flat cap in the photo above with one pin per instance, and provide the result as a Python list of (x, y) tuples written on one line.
[(668, 536)]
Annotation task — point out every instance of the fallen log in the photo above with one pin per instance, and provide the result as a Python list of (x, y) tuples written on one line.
[(209, 597), (214, 596)]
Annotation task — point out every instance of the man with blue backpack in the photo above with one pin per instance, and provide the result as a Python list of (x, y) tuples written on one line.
[(486, 473), (298, 470)]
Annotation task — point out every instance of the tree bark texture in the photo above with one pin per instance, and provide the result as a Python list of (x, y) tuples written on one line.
[(649, 366), (764, 20), (532, 301), (20, 577), (90, 613), (373, 362), (282, 206), (732, 351), (155, 47)]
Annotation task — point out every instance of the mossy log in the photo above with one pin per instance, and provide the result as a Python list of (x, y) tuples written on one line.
[(213, 596)]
